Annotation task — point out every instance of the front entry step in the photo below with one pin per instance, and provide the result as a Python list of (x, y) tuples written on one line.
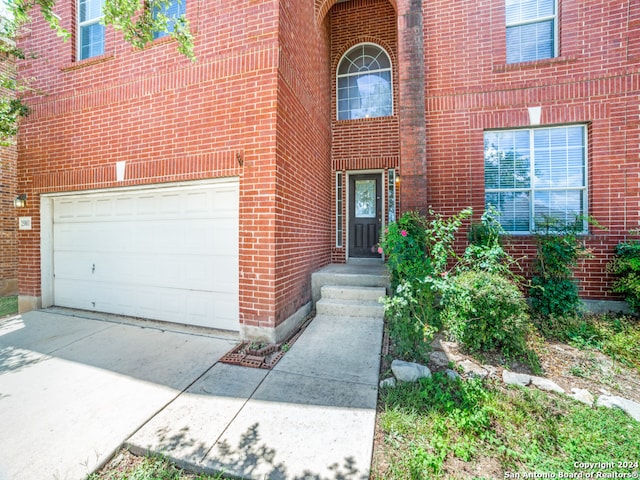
[(350, 292), (351, 301)]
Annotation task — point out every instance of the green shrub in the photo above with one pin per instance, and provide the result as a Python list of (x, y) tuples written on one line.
[(411, 318), (485, 251), (440, 236), (626, 264), (485, 311), (553, 297), (554, 292), (404, 246), (417, 251)]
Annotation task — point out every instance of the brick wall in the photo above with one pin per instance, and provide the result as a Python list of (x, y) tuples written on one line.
[(364, 144), (594, 81), (170, 119), (303, 176), (8, 216), (263, 92)]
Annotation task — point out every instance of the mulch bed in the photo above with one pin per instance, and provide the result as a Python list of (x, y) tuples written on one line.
[(261, 355)]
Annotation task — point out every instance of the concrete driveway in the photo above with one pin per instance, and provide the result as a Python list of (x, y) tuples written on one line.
[(73, 389)]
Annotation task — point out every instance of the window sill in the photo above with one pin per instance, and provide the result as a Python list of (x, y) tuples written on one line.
[(87, 62), (367, 119), (155, 42), (508, 67)]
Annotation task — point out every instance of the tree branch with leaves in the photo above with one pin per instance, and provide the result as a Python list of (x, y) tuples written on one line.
[(138, 20)]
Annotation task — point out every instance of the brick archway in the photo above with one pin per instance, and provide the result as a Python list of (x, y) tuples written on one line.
[(411, 99), (322, 7)]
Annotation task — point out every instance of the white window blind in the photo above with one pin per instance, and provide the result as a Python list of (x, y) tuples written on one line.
[(364, 83), (172, 10), (533, 175), (90, 31), (531, 30)]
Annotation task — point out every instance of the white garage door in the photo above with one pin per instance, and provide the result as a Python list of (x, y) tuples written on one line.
[(168, 253)]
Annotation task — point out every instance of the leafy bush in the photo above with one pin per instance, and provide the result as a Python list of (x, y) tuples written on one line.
[(411, 315), (627, 266), (404, 246), (485, 311), (554, 293), (417, 252), (440, 235), (485, 251)]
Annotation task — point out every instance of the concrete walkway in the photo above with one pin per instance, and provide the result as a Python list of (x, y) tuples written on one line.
[(72, 390)]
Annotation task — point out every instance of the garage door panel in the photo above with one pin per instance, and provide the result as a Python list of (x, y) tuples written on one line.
[(225, 238), (225, 275), (168, 255), (74, 265), (209, 273)]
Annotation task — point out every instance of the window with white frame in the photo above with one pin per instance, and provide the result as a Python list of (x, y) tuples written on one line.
[(364, 83), (535, 175), (532, 30), (90, 31), (171, 10), (391, 195)]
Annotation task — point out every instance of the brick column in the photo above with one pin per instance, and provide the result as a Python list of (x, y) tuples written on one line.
[(8, 191), (411, 108)]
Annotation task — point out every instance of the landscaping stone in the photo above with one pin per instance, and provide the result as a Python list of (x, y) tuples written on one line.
[(612, 401), (491, 369), (449, 348), (439, 358), (582, 395), (388, 382), (408, 371), (513, 378), (452, 374), (472, 369), (546, 384)]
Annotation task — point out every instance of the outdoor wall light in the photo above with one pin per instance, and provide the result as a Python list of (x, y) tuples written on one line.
[(20, 201)]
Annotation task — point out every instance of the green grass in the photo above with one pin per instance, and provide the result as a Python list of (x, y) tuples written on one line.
[(8, 305), (433, 427), (618, 336), (151, 468)]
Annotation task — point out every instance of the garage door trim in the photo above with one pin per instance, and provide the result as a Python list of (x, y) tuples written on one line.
[(47, 218)]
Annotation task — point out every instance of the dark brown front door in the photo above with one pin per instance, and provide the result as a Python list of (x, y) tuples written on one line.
[(365, 215)]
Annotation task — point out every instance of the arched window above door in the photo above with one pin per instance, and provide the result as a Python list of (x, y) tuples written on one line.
[(364, 88)]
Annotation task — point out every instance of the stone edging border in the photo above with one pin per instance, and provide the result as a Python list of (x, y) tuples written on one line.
[(411, 372)]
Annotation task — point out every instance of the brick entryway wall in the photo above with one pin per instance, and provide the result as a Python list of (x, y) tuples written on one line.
[(8, 219)]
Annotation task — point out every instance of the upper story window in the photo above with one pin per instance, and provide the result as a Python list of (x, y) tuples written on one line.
[(533, 175), (364, 83), (171, 10), (532, 30), (90, 31)]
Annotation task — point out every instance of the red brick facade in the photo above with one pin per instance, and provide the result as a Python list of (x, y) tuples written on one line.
[(260, 105), (364, 144), (595, 81), (8, 214)]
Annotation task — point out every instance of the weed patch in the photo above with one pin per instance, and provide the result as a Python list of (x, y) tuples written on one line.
[(438, 426), (616, 336), (126, 466), (8, 305)]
